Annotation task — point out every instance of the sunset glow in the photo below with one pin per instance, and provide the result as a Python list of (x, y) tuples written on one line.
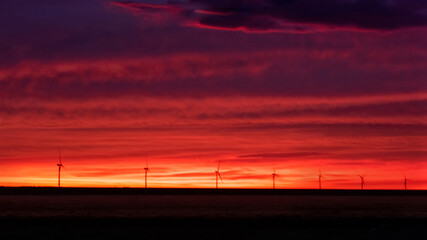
[(182, 85)]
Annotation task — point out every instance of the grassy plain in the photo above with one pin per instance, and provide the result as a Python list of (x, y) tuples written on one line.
[(48, 213)]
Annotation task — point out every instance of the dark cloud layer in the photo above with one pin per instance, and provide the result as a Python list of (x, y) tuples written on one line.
[(293, 15)]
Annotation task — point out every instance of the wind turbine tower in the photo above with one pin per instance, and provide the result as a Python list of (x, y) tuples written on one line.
[(59, 169), (320, 180), (362, 182), (217, 174), (405, 181), (147, 170), (274, 178)]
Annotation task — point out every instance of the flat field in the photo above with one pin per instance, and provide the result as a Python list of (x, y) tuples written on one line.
[(210, 214)]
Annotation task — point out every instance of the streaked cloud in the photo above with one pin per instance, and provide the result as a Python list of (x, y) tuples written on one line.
[(302, 16)]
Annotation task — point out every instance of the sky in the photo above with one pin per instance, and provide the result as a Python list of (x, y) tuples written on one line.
[(300, 87)]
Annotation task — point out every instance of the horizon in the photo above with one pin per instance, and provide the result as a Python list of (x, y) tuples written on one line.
[(213, 188)]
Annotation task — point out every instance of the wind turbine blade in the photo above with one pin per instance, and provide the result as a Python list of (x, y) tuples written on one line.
[(60, 157), (149, 170), (220, 177), (219, 164), (146, 161)]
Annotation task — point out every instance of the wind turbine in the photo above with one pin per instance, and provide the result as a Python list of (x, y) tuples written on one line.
[(274, 178), (320, 180), (147, 170), (59, 168), (217, 174), (362, 182), (405, 180)]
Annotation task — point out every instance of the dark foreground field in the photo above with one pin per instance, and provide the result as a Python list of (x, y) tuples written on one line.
[(48, 213)]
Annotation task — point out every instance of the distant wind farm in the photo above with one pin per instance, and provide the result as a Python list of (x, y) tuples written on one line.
[(218, 176)]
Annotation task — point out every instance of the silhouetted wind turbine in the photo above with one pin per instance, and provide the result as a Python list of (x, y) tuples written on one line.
[(59, 168), (274, 178), (405, 181), (217, 174), (320, 180), (362, 182), (146, 171)]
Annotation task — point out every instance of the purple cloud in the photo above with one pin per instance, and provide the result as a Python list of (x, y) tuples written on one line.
[(292, 15)]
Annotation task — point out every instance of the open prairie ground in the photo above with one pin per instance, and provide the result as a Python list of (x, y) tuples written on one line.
[(210, 214)]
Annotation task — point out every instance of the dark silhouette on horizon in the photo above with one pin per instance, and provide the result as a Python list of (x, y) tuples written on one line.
[(405, 181), (59, 168), (362, 182), (146, 171), (274, 178), (217, 174)]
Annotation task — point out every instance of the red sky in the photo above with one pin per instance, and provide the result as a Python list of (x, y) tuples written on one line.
[(258, 86)]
